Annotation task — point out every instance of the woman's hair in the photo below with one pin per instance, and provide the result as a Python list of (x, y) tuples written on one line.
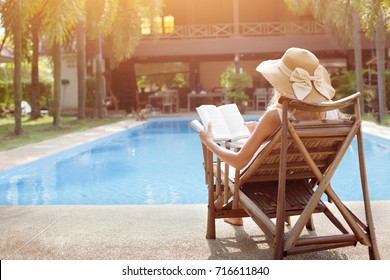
[(274, 103)]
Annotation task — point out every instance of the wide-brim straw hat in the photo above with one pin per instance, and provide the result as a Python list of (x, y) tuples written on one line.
[(299, 75)]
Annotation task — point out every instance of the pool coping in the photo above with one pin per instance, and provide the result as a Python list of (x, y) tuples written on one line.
[(35, 151), (376, 130)]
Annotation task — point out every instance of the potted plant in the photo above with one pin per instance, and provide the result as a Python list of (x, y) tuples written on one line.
[(236, 84)]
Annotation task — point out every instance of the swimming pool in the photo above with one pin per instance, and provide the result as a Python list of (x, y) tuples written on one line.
[(159, 162)]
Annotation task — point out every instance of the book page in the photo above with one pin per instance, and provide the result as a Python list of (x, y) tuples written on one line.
[(210, 113), (195, 124), (234, 121)]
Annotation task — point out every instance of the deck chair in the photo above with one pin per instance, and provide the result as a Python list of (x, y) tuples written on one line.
[(261, 98), (288, 177), (167, 102)]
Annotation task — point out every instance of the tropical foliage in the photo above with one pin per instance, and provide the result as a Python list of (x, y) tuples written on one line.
[(235, 83), (52, 23), (345, 19)]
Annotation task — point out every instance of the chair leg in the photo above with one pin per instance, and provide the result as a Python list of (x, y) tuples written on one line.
[(310, 224), (210, 233), (279, 239), (373, 252), (278, 252)]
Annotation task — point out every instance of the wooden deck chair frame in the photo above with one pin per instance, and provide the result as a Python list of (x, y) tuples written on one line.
[(289, 177)]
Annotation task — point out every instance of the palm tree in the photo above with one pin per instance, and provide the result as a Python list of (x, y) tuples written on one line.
[(81, 67), (35, 88), (17, 32), (15, 15), (34, 18), (373, 15), (380, 58), (11, 16), (117, 22), (358, 56), (31, 15), (341, 19), (58, 20), (100, 16)]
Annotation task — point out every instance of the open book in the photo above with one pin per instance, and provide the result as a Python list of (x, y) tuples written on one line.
[(226, 120)]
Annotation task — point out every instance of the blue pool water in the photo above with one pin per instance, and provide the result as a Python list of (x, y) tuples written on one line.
[(159, 162)]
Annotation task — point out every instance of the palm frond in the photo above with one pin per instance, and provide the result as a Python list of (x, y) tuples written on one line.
[(369, 14), (128, 20), (298, 7), (59, 17), (101, 15), (30, 8)]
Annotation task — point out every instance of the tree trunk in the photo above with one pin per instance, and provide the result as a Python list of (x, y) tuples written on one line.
[(99, 79), (17, 29), (358, 58), (57, 84), (236, 25), (380, 59), (81, 68), (35, 95)]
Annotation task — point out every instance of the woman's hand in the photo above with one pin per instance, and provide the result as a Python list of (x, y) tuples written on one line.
[(207, 136), (251, 126)]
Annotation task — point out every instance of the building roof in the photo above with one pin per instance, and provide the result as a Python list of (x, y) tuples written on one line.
[(6, 56)]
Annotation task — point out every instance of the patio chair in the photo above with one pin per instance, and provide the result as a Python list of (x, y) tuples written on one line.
[(288, 177), (261, 98), (167, 102)]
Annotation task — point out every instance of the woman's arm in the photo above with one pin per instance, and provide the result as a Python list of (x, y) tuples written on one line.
[(264, 128), (251, 125)]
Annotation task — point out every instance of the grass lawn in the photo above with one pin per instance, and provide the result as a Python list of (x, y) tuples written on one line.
[(42, 129)]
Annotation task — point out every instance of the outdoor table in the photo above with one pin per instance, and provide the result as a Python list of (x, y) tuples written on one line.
[(216, 97)]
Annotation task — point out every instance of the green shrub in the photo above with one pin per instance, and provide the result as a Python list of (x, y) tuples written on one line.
[(345, 85), (7, 94), (236, 83)]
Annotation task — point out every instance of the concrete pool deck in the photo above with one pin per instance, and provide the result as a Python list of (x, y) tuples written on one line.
[(166, 232)]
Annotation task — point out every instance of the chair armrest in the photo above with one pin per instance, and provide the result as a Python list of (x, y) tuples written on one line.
[(320, 107)]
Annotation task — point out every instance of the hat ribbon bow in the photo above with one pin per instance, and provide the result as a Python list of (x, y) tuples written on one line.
[(302, 82)]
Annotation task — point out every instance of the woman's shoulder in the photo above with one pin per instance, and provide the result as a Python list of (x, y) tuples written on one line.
[(278, 112), (273, 113), (272, 110)]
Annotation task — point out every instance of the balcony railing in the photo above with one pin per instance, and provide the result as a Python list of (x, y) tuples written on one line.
[(245, 30)]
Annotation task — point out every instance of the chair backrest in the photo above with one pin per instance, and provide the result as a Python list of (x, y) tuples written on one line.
[(260, 96), (307, 143), (260, 92), (221, 90), (167, 97), (224, 93)]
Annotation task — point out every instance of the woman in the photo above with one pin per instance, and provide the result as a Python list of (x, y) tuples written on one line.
[(298, 75)]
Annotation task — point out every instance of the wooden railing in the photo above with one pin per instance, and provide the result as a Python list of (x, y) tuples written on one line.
[(245, 30), (281, 28)]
